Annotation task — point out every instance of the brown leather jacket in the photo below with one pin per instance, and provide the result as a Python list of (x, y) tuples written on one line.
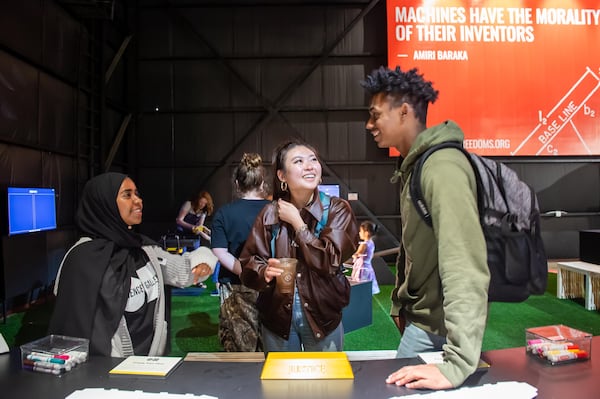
[(324, 291)]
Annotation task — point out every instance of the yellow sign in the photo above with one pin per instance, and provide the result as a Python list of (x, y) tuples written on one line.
[(313, 389), (306, 366)]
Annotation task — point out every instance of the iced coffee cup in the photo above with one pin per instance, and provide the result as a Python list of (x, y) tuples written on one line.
[(285, 281)]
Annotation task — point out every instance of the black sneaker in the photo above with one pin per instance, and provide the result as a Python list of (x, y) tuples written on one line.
[(214, 293)]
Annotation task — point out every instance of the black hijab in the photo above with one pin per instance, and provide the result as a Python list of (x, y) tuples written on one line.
[(98, 215), (96, 275)]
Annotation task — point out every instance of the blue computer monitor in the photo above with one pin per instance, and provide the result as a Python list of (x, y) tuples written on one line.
[(333, 190), (31, 209)]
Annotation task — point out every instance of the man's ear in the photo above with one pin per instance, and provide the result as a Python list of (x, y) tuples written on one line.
[(404, 108)]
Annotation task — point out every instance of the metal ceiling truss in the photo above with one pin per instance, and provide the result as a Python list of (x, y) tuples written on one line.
[(273, 109)]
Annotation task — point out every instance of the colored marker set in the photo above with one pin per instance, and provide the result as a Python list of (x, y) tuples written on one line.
[(49, 363), (54, 354), (556, 353), (558, 344)]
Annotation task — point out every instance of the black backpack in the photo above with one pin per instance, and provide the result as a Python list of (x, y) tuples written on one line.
[(510, 218)]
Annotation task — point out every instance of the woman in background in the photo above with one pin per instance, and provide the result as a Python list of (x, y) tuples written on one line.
[(110, 285), (238, 317), (310, 317), (193, 213)]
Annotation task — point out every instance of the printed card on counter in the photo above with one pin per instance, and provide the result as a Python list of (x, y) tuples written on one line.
[(151, 366), (438, 357)]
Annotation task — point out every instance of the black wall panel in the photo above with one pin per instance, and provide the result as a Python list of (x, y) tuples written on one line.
[(57, 114), (566, 190), (19, 105), (155, 81), (193, 145), (21, 27), (20, 166), (60, 51), (58, 172), (156, 131), (194, 77)]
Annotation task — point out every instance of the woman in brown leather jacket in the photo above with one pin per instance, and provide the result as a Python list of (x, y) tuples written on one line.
[(309, 318)]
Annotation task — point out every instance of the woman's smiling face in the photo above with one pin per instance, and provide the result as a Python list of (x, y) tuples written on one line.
[(129, 203), (302, 169)]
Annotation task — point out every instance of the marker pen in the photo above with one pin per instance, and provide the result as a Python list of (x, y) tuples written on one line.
[(557, 347), (47, 365), (77, 356), (533, 342), (45, 358), (40, 355), (568, 356), (44, 370), (540, 347)]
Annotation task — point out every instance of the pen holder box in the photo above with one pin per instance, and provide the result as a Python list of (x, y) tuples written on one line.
[(558, 344), (54, 354)]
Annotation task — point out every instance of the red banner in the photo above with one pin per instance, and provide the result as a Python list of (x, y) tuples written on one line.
[(519, 77)]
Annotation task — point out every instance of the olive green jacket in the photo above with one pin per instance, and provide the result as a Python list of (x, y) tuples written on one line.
[(443, 278)]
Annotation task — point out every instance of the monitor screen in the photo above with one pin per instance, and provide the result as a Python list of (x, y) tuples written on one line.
[(31, 210), (333, 190)]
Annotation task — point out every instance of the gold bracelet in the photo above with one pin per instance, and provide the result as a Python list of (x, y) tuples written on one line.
[(301, 228)]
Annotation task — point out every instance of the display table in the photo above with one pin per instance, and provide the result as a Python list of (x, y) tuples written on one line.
[(579, 279), (359, 312), (242, 379)]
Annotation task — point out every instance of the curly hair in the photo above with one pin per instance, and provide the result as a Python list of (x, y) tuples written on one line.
[(403, 87)]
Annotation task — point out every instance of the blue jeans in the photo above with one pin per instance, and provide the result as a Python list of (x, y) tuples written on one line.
[(301, 336), (415, 340)]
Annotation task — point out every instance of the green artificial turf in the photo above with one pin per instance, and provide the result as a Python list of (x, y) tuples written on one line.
[(194, 322)]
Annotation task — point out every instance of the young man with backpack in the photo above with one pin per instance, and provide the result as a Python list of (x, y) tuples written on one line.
[(440, 301)]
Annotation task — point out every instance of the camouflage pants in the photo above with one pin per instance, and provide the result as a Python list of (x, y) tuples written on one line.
[(239, 328)]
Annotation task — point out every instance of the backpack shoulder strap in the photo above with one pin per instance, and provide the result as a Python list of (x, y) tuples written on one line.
[(56, 281), (325, 201), (416, 192), (274, 233)]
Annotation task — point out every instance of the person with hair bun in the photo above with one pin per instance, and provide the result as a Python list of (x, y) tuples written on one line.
[(238, 317), (362, 270)]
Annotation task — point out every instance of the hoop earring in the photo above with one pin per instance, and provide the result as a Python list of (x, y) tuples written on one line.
[(283, 186)]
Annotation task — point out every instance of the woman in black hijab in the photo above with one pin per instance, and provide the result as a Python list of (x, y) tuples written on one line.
[(110, 286)]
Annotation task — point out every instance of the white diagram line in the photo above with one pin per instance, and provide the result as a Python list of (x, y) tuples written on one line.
[(580, 138), (569, 118), (540, 125)]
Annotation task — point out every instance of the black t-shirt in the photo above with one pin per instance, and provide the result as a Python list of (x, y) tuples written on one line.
[(139, 311), (230, 227)]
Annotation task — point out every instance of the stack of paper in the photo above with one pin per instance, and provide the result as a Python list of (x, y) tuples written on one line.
[(100, 393), (151, 366), (500, 390)]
